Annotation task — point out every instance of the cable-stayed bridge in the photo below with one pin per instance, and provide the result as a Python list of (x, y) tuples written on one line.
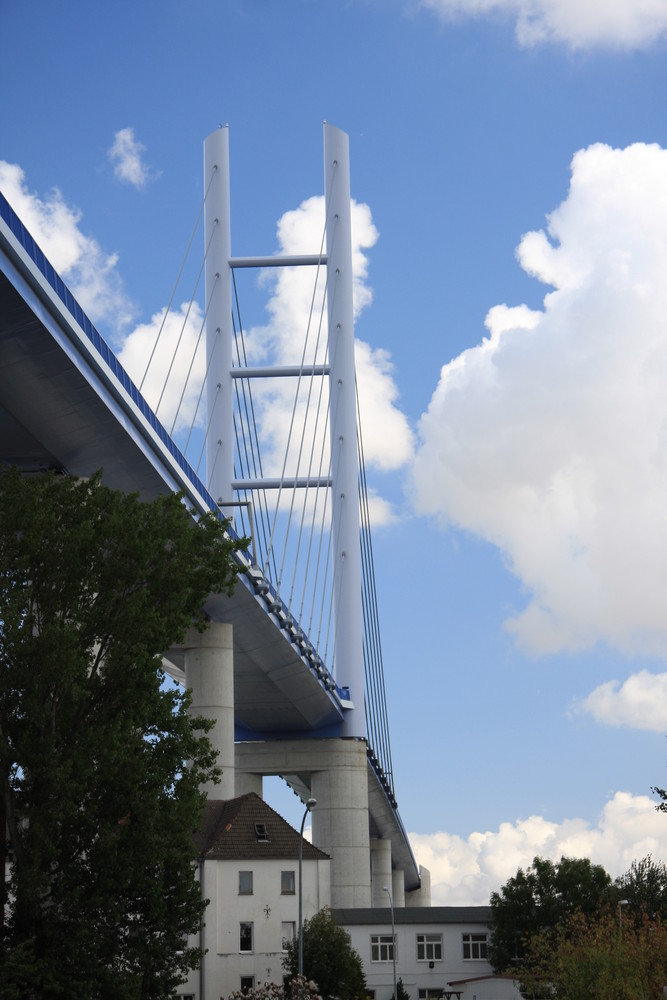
[(304, 667)]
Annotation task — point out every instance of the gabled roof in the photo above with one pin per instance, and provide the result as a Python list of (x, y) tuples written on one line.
[(229, 831)]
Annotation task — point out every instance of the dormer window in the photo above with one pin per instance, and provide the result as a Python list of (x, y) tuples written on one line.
[(261, 833)]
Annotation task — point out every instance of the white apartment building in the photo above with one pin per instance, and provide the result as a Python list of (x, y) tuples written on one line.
[(441, 951), (248, 870)]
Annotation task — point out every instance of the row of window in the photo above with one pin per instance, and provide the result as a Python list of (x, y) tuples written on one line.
[(429, 947), (247, 934), (287, 883)]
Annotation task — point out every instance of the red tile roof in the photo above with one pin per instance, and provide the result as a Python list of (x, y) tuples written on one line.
[(228, 832)]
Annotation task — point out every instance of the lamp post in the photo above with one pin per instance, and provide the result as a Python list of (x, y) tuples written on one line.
[(393, 937), (309, 805), (621, 904)]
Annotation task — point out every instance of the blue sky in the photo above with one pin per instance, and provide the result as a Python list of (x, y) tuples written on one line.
[(522, 464)]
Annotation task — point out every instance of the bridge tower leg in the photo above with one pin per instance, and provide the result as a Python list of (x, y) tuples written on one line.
[(219, 330), (348, 622), (209, 656)]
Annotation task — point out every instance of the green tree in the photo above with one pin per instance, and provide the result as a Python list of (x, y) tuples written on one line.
[(662, 795), (644, 886), (401, 992), (99, 807), (590, 957), (328, 959), (541, 897)]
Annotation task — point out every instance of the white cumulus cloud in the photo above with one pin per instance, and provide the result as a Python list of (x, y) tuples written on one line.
[(579, 24), (127, 157), (90, 272), (549, 439), (640, 702), (467, 870)]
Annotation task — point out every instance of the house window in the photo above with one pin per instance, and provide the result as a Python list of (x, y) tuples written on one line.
[(287, 930), (261, 833), (247, 983), (429, 947), (382, 948), (474, 946), (287, 883), (245, 883), (245, 936)]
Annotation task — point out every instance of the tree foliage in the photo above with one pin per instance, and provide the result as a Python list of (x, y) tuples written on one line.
[(644, 886), (401, 992), (328, 959), (99, 807), (595, 957), (541, 897)]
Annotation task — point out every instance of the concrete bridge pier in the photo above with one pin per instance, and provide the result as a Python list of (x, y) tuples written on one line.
[(209, 672), (334, 771), (398, 888), (380, 871)]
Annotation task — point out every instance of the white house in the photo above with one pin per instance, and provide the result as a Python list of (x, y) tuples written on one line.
[(248, 870), (441, 951)]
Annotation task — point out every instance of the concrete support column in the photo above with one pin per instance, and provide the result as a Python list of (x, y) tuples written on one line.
[(380, 872), (249, 783), (398, 890), (421, 896), (340, 822), (209, 672), (335, 772)]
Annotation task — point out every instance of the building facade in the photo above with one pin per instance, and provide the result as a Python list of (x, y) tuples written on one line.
[(440, 951), (248, 870)]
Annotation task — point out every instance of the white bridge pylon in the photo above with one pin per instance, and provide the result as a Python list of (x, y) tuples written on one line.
[(348, 666)]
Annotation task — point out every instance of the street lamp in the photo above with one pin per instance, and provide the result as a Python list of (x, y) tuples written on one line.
[(621, 904), (393, 937), (309, 805)]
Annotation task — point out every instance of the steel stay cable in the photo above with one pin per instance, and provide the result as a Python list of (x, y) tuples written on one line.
[(164, 318), (185, 320), (204, 380), (208, 427), (296, 398), (289, 435), (337, 573), (314, 515), (318, 410), (371, 586), (322, 535), (250, 466), (256, 465), (194, 355)]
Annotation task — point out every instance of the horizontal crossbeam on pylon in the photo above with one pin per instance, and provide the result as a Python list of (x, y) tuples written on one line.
[(288, 260), (299, 483), (280, 371)]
